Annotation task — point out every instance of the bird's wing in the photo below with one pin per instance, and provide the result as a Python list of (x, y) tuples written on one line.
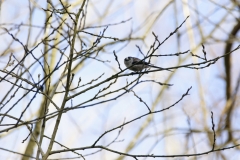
[(138, 61)]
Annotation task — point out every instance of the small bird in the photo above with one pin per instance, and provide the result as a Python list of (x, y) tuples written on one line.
[(138, 64)]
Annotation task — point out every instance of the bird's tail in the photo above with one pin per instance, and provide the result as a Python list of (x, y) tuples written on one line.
[(159, 68)]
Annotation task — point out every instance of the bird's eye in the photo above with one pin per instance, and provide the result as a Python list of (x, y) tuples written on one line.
[(127, 59)]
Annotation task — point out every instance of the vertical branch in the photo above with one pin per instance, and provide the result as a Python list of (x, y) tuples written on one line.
[(43, 107), (214, 134), (67, 85), (228, 89)]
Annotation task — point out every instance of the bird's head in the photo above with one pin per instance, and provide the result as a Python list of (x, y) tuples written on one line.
[(128, 61)]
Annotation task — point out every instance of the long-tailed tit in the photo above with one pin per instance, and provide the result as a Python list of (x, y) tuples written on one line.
[(137, 64)]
